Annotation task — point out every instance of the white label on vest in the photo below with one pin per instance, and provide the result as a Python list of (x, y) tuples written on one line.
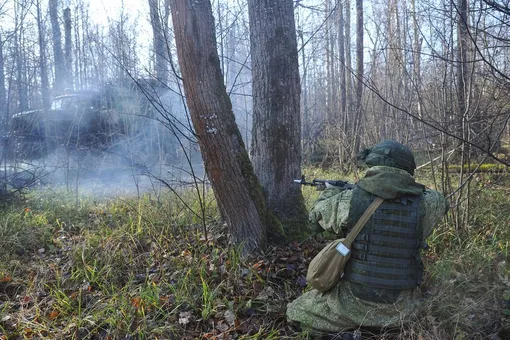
[(342, 249)]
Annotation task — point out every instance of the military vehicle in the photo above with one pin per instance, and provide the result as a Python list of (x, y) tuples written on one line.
[(116, 128), (74, 120)]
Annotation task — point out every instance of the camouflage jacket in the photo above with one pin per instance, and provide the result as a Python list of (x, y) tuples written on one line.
[(338, 309)]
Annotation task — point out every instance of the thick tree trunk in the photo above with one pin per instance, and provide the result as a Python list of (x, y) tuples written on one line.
[(304, 86), (68, 47), (237, 190), (159, 41), (58, 55), (276, 133)]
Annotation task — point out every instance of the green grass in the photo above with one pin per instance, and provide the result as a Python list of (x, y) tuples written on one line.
[(89, 269), (124, 267)]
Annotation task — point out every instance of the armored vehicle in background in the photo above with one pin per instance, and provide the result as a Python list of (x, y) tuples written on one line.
[(77, 120), (128, 127)]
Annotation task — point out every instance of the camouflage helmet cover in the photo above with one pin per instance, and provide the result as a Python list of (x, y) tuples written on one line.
[(389, 153)]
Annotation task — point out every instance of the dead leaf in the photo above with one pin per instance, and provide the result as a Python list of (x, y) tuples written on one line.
[(136, 301), (210, 335), (5, 279), (26, 299), (53, 315), (258, 264), (28, 333)]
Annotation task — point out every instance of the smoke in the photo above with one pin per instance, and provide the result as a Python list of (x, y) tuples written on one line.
[(120, 141), (115, 140)]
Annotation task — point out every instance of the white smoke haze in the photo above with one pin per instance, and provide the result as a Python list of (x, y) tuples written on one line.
[(155, 148)]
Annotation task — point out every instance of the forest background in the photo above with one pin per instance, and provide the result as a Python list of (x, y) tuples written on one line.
[(431, 74)]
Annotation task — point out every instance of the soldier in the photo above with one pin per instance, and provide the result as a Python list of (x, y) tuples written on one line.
[(379, 288)]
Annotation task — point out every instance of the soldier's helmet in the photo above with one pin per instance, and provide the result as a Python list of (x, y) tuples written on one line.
[(389, 153)]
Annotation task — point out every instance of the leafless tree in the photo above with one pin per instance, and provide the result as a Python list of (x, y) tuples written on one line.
[(276, 143), (237, 190), (58, 54), (68, 55), (159, 21)]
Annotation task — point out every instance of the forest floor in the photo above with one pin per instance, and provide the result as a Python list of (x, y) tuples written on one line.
[(144, 268)]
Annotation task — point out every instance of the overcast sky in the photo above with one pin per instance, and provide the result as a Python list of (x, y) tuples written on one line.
[(104, 9)]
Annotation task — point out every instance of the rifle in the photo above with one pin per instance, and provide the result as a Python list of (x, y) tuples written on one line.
[(320, 184)]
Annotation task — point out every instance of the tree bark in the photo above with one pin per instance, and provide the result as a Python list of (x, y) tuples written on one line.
[(236, 188), (330, 75), (68, 47), (359, 75), (416, 56), (276, 132), (21, 83), (159, 42), (58, 55), (341, 53), (349, 117), (462, 51), (45, 87), (304, 86), (4, 115)]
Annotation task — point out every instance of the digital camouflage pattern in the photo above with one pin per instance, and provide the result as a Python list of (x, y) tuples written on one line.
[(338, 309)]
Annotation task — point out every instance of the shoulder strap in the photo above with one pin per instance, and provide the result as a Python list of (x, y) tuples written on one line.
[(363, 220)]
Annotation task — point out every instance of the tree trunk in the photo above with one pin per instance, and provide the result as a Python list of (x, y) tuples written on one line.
[(304, 86), (359, 76), (45, 88), (21, 84), (463, 39), (159, 42), (416, 57), (276, 132), (58, 55), (341, 54), (462, 63), (237, 189), (4, 115), (329, 70), (68, 61), (349, 117)]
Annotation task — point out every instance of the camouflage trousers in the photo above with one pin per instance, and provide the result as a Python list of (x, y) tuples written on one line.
[(339, 310)]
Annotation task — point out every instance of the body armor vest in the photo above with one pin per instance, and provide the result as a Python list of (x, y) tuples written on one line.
[(385, 255)]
